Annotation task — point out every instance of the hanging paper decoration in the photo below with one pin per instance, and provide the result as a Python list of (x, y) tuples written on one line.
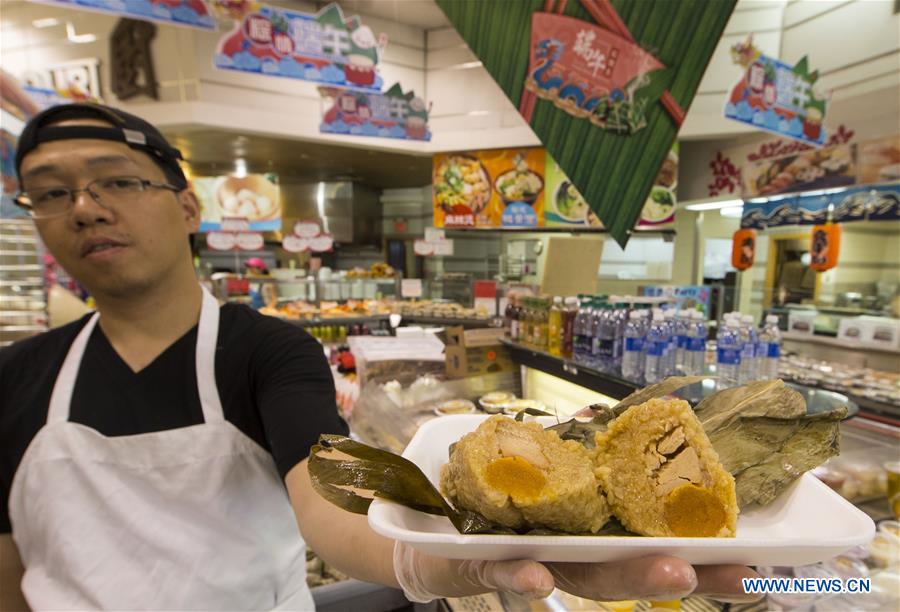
[(393, 114), (825, 246), (777, 97), (235, 235), (192, 13), (307, 236), (743, 249), (324, 47), (609, 82)]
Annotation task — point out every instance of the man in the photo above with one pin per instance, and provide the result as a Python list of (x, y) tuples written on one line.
[(152, 453)]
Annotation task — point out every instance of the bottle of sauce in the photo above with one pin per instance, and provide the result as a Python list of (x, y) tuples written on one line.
[(523, 337), (554, 327), (541, 319), (567, 333), (509, 316)]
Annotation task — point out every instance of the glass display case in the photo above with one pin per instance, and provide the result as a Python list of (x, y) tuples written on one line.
[(451, 286)]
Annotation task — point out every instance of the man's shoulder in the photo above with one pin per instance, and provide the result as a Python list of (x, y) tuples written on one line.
[(43, 349)]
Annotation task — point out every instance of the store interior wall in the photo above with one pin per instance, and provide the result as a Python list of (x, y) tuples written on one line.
[(869, 256)]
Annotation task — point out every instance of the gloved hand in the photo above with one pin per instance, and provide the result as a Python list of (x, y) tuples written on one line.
[(424, 578)]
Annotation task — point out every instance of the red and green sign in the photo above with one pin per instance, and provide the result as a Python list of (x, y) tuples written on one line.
[(625, 73), (324, 47), (777, 97), (392, 114)]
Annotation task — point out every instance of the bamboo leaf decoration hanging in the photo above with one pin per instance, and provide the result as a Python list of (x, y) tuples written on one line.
[(613, 166)]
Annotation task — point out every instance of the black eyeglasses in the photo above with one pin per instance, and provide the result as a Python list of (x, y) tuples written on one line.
[(53, 201)]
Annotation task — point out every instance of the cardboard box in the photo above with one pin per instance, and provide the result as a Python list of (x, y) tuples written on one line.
[(475, 352)]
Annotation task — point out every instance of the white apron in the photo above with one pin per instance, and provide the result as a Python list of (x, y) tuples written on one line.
[(189, 518)]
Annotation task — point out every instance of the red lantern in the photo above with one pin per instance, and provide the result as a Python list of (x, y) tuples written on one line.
[(743, 248), (825, 246)]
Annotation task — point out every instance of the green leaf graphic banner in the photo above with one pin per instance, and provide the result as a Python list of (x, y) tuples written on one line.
[(613, 171)]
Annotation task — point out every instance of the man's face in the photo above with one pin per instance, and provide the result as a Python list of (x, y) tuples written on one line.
[(117, 248)]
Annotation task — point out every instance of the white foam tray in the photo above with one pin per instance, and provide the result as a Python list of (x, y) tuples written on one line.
[(807, 523)]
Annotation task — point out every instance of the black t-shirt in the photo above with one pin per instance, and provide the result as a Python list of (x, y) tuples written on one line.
[(272, 377)]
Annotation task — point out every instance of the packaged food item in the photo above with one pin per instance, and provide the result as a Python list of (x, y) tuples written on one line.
[(892, 469), (884, 550), (890, 528), (454, 406), (518, 405), (493, 402)]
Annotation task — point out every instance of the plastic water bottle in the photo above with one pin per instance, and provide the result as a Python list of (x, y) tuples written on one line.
[(607, 339), (595, 359), (655, 349), (770, 337), (620, 320), (728, 358), (580, 352), (682, 319), (749, 361), (633, 348), (668, 365), (695, 345)]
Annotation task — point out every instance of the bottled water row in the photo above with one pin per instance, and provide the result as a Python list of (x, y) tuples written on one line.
[(744, 353), (637, 341), (674, 343)]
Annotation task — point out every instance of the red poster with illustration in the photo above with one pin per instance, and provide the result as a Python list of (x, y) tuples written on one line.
[(585, 69)]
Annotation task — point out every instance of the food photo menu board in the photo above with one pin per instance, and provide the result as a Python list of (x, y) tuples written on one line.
[(526, 188), (255, 197), (497, 188)]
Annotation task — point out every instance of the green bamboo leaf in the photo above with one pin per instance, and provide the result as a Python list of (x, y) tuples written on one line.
[(660, 389)]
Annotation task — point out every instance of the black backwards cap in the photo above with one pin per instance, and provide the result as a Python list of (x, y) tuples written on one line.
[(127, 128)]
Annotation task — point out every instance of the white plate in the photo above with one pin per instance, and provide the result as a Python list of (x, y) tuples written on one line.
[(806, 524)]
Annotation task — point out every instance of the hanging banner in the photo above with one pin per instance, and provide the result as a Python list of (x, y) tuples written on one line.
[(191, 13), (566, 208), (393, 114), (777, 97), (879, 160), (614, 126), (324, 47), (809, 170), (870, 202), (255, 197), (498, 188), (589, 72)]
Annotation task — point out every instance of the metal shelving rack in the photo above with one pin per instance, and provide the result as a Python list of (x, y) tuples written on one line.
[(23, 299)]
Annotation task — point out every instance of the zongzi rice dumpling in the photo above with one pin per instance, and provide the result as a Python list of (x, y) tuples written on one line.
[(523, 476), (662, 476)]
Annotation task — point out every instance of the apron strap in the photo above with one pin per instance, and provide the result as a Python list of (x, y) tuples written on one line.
[(61, 397), (207, 341)]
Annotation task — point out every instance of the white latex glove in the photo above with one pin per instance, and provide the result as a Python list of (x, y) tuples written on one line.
[(425, 578)]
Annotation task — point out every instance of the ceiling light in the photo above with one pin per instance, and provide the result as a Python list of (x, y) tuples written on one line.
[(465, 66), (715, 205), (78, 38), (732, 212), (240, 168), (46, 22)]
